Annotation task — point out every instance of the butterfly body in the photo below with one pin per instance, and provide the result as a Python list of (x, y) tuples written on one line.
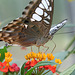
[(42, 41)]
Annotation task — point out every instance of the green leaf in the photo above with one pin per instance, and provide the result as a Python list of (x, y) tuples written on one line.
[(1, 73), (3, 50), (23, 70), (61, 55), (73, 73), (42, 63), (69, 71)]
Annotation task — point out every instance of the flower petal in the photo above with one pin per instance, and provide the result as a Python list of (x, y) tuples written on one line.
[(4, 69), (11, 69)]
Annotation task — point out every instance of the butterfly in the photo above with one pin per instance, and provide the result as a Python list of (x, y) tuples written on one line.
[(34, 27)]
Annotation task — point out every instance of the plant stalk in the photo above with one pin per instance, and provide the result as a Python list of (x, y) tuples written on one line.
[(69, 45), (46, 72)]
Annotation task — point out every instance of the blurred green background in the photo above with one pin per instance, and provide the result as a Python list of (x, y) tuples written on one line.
[(63, 9)]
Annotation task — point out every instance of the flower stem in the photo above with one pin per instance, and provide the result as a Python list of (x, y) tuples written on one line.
[(16, 73), (72, 51), (37, 70), (69, 45), (41, 71), (46, 72), (5, 73), (34, 71)]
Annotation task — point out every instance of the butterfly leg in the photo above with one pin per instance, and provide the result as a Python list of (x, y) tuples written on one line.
[(8, 44), (39, 49), (54, 46), (46, 49), (31, 49)]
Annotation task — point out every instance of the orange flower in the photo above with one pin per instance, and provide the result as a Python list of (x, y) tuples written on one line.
[(33, 63), (32, 55), (8, 54), (50, 56), (8, 59), (43, 57), (52, 68), (27, 57), (27, 65), (5, 68), (58, 61), (0, 54), (38, 56)]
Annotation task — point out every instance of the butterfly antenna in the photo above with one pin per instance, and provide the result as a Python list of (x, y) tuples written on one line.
[(46, 49), (38, 49), (31, 49)]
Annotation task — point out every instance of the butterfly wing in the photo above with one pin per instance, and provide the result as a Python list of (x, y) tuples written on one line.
[(26, 30), (17, 32), (40, 12)]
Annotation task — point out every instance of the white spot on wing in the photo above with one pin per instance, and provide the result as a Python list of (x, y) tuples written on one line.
[(9, 31), (32, 19), (39, 11), (45, 4), (50, 8), (48, 17), (9, 38), (26, 26), (46, 21), (36, 17), (41, 6), (45, 14), (48, 2), (6, 35)]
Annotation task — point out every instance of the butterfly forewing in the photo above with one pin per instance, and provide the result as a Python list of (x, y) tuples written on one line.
[(34, 24), (40, 13)]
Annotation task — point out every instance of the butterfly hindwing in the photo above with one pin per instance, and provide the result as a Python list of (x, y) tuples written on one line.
[(17, 32)]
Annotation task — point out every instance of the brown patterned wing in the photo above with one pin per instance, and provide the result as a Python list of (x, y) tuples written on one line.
[(17, 32), (40, 13), (33, 25)]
